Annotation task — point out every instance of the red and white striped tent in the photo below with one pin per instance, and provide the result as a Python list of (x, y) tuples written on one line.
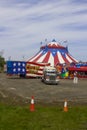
[(53, 53)]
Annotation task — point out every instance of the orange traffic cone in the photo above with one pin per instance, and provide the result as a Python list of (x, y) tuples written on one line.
[(65, 106), (32, 107)]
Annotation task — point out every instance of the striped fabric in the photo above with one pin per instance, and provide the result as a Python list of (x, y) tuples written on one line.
[(54, 54), (35, 69)]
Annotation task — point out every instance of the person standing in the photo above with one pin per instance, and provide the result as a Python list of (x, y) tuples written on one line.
[(75, 79)]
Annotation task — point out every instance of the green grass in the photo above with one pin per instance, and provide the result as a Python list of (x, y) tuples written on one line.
[(43, 118)]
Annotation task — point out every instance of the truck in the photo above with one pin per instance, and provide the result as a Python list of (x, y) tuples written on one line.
[(25, 69), (50, 75)]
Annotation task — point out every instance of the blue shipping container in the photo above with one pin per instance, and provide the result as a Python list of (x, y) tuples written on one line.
[(16, 67)]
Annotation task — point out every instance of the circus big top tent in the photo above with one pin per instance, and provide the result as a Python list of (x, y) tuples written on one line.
[(53, 53)]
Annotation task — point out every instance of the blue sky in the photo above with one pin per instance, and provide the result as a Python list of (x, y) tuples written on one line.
[(24, 24)]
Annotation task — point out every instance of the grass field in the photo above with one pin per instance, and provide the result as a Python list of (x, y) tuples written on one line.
[(43, 118)]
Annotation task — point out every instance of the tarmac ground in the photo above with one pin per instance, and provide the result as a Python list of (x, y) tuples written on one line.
[(14, 90)]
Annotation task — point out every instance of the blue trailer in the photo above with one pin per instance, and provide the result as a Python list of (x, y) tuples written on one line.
[(16, 68), (25, 69)]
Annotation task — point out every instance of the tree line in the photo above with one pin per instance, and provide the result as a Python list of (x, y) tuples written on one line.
[(2, 63)]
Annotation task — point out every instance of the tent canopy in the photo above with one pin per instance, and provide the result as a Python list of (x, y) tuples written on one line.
[(53, 53)]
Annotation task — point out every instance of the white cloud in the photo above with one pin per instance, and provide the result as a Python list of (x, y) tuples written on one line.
[(24, 25)]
